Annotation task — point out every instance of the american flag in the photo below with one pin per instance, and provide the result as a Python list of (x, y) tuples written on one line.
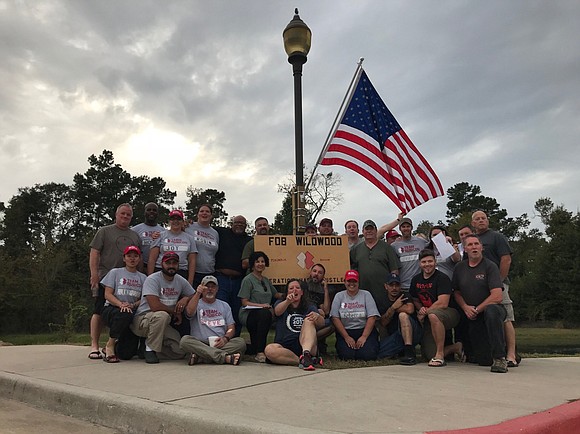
[(370, 141)]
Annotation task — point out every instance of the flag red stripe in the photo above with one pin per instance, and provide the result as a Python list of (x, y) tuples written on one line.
[(358, 169)]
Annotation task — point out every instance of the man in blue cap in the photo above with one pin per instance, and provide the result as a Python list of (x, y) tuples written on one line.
[(400, 330)]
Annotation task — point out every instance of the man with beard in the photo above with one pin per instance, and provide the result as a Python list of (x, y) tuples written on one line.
[(106, 253), (262, 228), (164, 297), (320, 294), (149, 230), (228, 264), (431, 292), (212, 328), (399, 329)]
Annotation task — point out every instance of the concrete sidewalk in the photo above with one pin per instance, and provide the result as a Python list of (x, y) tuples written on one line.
[(172, 397)]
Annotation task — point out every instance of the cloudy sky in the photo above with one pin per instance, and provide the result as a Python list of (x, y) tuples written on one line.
[(200, 93)]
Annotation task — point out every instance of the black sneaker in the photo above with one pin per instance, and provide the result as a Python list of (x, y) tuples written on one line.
[(151, 357), (318, 361), (408, 360), (306, 362), (500, 366), (409, 357)]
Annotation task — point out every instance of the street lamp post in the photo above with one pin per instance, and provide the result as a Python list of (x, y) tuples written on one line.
[(297, 37)]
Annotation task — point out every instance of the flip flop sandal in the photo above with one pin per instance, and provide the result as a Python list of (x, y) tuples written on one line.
[(111, 359), (235, 359), (462, 357), (437, 363), (193, 360), (95, 355)]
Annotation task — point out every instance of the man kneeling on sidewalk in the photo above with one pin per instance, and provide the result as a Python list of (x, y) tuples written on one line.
[(212, 328), (165, 295)]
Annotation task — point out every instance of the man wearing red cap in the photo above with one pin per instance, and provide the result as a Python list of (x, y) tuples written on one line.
[(392, 236), (165, 295)]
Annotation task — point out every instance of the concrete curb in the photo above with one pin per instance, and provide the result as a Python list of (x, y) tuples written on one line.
[(563, 419), (116, 411)]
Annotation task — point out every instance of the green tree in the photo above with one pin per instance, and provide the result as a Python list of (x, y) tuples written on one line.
[(197, 197), (424, 227), (45, 232), (547, 271), (105, 185), (464, 199), (283, 219), (37, 216)]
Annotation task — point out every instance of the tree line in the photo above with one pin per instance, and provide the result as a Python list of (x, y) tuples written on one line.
[(45, 231)]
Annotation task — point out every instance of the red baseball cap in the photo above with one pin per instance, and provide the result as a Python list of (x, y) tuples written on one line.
[(176, 213), (132, 249), (170, 255), (392, 234), (351, 275)]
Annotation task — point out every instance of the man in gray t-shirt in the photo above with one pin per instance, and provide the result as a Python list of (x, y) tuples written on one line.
[(106, 253), (212, 328), (407, 249), (149, 230), (165, 295)]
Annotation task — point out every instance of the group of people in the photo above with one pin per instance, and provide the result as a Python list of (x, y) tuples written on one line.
[(204, 283)]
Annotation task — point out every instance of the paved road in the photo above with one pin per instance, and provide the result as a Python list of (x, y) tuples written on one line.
[(18, 418)]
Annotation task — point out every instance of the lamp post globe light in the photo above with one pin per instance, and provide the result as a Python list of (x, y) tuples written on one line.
[(297, 38)]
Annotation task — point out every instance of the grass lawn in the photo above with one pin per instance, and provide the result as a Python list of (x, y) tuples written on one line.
[(532, 342)]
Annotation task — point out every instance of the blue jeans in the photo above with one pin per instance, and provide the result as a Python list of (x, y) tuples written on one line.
[(368, 351), (393, 344), (228, 289)]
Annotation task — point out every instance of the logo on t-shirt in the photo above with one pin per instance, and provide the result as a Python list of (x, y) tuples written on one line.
[(294, 322)]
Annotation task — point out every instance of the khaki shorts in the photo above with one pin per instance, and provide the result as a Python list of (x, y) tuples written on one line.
[(448, 316), (509, 308)]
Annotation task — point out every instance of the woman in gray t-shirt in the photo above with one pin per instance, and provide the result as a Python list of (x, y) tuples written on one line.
[(353, 314)]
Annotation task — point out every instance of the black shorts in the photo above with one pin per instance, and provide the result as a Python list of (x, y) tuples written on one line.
[(293, 346)]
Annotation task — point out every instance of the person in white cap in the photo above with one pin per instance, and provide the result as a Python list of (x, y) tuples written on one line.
[(213, 329)]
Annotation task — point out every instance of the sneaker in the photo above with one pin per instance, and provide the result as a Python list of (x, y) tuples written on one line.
[(318, 361), (408, 360), (151, 357), (306, 362), (499, 366)]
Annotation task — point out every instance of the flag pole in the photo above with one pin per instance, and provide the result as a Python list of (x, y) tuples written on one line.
[(338, 118)]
